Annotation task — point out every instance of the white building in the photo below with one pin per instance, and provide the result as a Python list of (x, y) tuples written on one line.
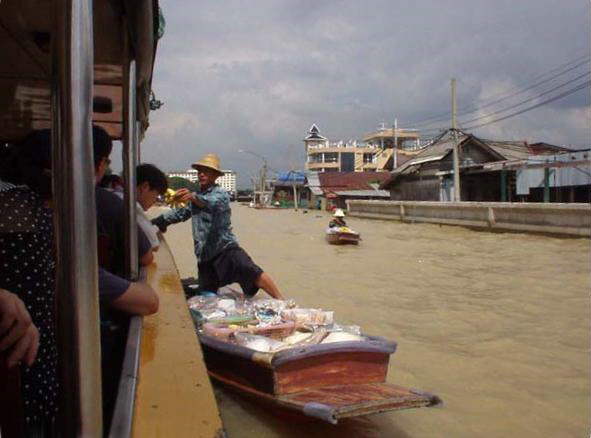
[(190, 174), (227, 181)]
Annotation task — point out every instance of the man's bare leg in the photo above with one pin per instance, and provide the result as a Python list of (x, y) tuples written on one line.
[(266, 283)]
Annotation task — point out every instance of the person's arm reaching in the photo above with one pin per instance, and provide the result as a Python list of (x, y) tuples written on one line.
[(184, 195), (133, 298), (147, 258), (138, 299), (172, 217)]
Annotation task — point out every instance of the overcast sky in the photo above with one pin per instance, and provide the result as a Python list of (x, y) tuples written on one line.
[(255, 74)]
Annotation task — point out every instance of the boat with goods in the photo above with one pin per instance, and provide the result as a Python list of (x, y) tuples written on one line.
[(342, 236), (298, 359)]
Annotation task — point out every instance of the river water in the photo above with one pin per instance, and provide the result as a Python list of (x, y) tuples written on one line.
[(496, 324)]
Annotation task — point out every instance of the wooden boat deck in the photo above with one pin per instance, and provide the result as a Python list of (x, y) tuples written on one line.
[(332, 403)]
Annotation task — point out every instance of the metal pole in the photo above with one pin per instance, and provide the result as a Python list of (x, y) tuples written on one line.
[(264, 178), (395, 155), (129, 152), (295, 197), (456, 158), (503, 185), (75, 220), (546, 184)]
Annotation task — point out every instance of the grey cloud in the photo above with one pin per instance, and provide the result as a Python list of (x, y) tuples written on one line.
[(256, 75)]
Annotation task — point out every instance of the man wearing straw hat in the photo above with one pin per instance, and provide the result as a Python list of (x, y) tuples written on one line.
[(220, 260), (338, 220)]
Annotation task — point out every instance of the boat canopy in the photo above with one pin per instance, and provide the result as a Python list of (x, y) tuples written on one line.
[(25, 77)]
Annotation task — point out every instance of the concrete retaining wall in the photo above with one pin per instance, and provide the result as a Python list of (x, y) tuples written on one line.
[(569, 219)]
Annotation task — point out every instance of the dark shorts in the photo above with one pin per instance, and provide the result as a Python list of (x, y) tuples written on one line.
[(232, 265)]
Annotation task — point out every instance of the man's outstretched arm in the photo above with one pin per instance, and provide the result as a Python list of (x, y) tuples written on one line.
[(172, 217)]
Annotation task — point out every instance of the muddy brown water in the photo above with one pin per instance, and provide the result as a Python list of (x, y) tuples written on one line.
[(496, 324)]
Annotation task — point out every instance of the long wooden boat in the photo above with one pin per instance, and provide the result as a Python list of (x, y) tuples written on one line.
[(342, 238), (325, 381)]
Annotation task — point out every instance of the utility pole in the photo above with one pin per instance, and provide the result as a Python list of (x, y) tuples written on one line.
[(254, 189), (263, 180), (295, 195), (395, 135), (456, 158)]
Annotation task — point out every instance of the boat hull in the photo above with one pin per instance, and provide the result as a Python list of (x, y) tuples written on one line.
[(343, 238), (325, 381)]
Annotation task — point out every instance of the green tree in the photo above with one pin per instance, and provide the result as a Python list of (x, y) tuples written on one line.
[(176, 182)]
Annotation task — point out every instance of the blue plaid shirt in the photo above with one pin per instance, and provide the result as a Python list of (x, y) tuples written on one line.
[(212, 229)]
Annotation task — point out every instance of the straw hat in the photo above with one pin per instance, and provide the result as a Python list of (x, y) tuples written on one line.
[(209, 161), (339, 213)]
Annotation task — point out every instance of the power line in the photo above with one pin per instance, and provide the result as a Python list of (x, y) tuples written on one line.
[(552, 99), (568, 92), (528, 100), (578, 62)]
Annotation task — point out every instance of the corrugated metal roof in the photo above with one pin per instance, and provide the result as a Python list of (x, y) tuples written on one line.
[(314, 183), (559, 177), (504, 150), (341, 181), (364, 193)]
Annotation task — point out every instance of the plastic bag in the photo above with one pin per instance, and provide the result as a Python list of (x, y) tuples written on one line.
[(303, 338), (259, 343), (352, 329), (341, 337), (199, 302), (308, 316)]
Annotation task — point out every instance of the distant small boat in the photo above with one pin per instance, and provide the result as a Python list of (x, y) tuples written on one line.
[(342, 236)]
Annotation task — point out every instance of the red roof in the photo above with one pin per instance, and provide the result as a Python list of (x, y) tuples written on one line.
[(341, 181)]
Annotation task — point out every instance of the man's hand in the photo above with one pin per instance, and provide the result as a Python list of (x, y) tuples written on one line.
[(185, 195), (17, 331)]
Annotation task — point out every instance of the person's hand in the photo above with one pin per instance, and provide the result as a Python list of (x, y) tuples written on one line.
[(17, 331), (183, 195)]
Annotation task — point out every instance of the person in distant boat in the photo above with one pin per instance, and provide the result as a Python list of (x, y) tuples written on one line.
[(220, 260), (337, 220)]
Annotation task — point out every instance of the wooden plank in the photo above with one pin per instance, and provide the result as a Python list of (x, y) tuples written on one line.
[(354, 400), (333, 403)]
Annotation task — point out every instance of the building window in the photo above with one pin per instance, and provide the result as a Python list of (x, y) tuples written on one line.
[(331, 157), (315, 158)]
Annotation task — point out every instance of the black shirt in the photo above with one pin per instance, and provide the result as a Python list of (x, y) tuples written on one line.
[(111, 232)]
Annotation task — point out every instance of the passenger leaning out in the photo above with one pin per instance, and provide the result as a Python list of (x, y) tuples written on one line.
[(151, 183), (110, 215)]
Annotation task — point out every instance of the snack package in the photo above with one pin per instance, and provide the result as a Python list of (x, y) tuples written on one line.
[(308, 316)]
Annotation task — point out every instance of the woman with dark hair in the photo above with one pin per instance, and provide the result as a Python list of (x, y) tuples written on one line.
[(27, 267)]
